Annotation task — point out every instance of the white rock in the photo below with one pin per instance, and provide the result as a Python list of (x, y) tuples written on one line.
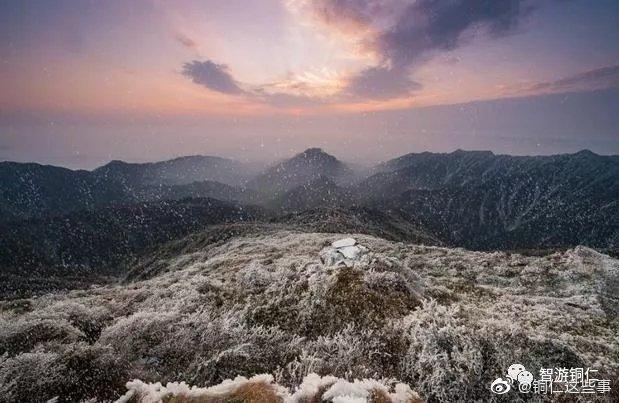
[(350, 252), (348, 255), (331, 257), (344, 242)]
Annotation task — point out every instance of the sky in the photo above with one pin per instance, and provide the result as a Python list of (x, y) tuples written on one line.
[(83, 82)]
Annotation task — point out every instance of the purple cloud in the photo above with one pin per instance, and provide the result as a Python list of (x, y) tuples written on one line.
[(186, 41), (422, 28), (212, 76), (346, 12), (600, 78), (381, 83), (216, 77), (435, 25)]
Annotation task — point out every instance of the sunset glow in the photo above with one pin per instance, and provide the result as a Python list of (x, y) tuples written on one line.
[(189, 59)]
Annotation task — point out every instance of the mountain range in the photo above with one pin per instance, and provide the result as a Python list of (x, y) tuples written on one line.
[(55, 217), (484, 201), (33, 190)]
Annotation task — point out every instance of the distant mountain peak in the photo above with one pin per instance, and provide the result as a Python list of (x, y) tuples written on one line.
[(460, 151), (586, 153), (314, 150), (301, 169), (196, 157), (313, 157), (115, 163), (315, 154)]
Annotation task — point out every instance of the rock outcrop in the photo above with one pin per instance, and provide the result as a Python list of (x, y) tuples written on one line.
[(344, 251)]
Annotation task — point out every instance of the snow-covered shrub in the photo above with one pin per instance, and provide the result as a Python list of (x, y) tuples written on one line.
[(147, 340), (89, 372), (451, 357), (28, 377), (348, 299), (23, 334), (65, 321), (266, 304), (445, 359), (323, 303), (242, 351), (255, 278), (90, 320), (358, 353), (201, 347), (261, 388), (135, 336), (71, 372), (390, 282)]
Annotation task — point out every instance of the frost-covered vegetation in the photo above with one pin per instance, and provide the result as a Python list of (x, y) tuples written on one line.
[(260, 388), (446, 322)]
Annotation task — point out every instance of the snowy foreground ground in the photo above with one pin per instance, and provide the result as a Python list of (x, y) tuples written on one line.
[(266, 314)]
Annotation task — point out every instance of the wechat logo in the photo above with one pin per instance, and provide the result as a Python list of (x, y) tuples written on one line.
[(516, 374)]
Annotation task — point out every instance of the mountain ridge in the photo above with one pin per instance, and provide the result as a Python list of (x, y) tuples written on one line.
[(299, 170), (474, 199)]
